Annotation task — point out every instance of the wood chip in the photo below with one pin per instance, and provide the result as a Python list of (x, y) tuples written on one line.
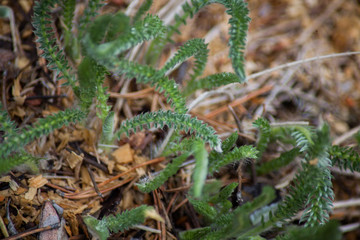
[(74, 160), (31, 193), (85, 177), (123, 154), (37, 182)]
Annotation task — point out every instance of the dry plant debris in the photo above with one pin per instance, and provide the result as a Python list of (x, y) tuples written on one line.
[(80, 179)]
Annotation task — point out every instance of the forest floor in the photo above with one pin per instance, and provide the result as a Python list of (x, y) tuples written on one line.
[(281, 32)]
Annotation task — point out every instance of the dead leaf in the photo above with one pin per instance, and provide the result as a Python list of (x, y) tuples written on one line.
[(19, 111), (21, 62), (16, 91), (151, 213)]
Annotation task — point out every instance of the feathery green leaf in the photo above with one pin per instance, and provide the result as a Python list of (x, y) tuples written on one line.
[(193, 47), (42, 127), (142, 10), (176, 120), (210, 82), (16, 159), (345, 158), (264, 127), (120, 222), (6, 124), (171, 169), (47, 40), (277, 163), (238, 154)]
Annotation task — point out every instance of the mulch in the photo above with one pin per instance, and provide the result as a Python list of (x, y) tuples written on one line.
[(82, 179)]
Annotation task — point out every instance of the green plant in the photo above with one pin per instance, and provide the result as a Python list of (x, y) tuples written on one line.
[(100, 47), (11, 154), (127, 219), (311, 190)]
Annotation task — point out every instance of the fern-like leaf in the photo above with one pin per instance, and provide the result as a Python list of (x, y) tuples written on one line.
[(120, 222), (210, 82), (196, 233), (176, 120), (320, 198), (142, 10), (143, 30), (87, 72), (179, 145), (16, 159), (71, 43), (42, 127), (221, 199), (47, 40), (320, 194), (302, 136), (147, 75), (264, 127), (105, 54), (107, 136), (238, 154), (189, 10), (204, 209), (91, 78), (239, 23), (275, 164), (90, 12), (194, 47), (328, 231), (159, 43), (345, 158), (164, 175), (224, 194), (68, 7), (237, 223), (241, 225), (6, 124), (107, 27), (295, 200), (312, 190)]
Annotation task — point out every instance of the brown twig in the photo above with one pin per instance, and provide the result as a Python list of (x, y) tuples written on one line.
[(94, 194), (172, 200), (179, 189), (157, 207), (58, 187), (180, 205), (139, 94), (92, 177), (237, 120), (239, 101), (217, 124), (33, 231), (156, 160)]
